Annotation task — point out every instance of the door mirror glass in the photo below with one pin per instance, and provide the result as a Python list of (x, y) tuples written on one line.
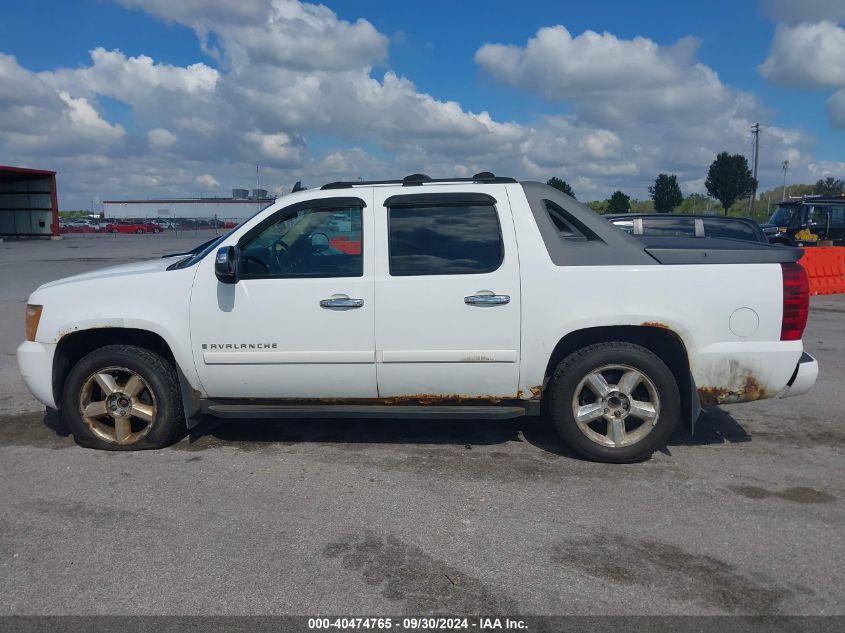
[(226, 264)]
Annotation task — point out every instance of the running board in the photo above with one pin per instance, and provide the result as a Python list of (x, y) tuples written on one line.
[(439, 412)]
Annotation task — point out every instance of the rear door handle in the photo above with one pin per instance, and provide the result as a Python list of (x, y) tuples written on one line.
[(487, 300), (341, 302)]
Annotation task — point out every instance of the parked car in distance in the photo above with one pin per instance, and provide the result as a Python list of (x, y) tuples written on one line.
[(456, 298), (680, 225), (79, 226), (807, 221), (132, 226), (168, 225)]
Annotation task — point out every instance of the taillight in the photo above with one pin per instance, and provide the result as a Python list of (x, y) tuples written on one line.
[(796, 302)]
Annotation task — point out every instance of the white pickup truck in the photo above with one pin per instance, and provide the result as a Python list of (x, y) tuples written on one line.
[(477, 297)]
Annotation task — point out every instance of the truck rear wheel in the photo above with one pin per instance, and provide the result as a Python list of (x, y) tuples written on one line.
[(123, 398), (614, 402)]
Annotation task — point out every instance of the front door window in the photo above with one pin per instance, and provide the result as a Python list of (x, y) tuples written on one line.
[(312, 243)]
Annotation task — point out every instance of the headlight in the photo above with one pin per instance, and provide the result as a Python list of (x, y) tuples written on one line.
[(33, 316)]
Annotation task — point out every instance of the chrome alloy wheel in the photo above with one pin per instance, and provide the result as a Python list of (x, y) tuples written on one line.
[(117, 405), (616, 405)]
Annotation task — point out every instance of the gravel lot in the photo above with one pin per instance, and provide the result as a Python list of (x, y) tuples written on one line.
[(358, 517)]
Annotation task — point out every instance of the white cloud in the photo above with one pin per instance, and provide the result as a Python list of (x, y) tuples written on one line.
[(612, 81), (807, 56), (208, 181), (279, 148), (836, 108), (292, 77), (37, 118), (796, 11), (82, 115), (161, 138), (277, 32)]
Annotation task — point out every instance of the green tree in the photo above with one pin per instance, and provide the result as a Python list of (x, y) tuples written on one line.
[(562, 185), (729, 179), (830, 187), (599, 206), (666, 193), (619, 203), (696, 203)]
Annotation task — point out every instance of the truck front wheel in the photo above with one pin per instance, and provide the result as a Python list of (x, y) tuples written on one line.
[(614, 402), (123, 397)]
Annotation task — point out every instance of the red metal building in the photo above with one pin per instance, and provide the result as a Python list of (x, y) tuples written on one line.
[(28, 202)]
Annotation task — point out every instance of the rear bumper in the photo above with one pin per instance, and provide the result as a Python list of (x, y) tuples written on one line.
[(804, 378), (35, 362)]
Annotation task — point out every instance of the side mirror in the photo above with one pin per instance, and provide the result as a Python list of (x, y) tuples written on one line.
[(226, 264), (319, 242)]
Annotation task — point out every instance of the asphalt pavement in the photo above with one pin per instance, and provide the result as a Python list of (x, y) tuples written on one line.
[(407, 517)]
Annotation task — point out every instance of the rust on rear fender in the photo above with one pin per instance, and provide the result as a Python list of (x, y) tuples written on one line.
[(746, 389)]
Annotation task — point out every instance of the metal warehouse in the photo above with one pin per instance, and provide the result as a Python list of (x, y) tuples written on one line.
[(163, 208), (28, 202)]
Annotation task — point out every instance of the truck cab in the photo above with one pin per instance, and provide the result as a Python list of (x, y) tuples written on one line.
[(807, 221)]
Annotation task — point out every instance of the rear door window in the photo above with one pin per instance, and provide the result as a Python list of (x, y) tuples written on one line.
[(444, 240)]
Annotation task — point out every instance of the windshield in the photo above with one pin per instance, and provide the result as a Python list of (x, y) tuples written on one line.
[(781, 215), (197, 253)]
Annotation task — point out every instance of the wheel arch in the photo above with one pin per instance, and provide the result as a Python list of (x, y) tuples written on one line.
[(661, 340), (73, 346)]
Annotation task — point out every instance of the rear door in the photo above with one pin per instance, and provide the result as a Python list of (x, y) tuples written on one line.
[(447, 294)]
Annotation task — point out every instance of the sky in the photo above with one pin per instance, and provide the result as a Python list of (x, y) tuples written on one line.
[(154, 98)]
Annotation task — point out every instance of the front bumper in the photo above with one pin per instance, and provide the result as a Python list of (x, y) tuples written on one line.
[(804, 378), (35, 362)]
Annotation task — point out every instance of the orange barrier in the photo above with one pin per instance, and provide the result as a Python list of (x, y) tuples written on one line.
[(825, 266)]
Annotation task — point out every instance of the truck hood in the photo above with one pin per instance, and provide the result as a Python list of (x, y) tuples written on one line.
[(157, 265)]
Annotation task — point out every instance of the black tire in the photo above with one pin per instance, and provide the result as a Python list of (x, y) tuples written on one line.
[(168, 425), (567, 377), (139, 231)]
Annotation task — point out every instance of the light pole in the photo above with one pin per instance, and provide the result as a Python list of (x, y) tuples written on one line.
[(785, 169)]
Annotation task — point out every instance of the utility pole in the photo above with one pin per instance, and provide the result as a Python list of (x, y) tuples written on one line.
[(258, 192), (785, 165), (755, 130)]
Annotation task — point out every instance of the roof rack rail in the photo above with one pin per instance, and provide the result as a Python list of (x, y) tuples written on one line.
[(416, 180)]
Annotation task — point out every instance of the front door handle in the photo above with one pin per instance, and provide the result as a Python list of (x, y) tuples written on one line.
[(341, 301), (487, 300)]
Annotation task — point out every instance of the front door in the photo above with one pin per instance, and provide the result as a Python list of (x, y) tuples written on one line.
[(300, 321), (447, 295)]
